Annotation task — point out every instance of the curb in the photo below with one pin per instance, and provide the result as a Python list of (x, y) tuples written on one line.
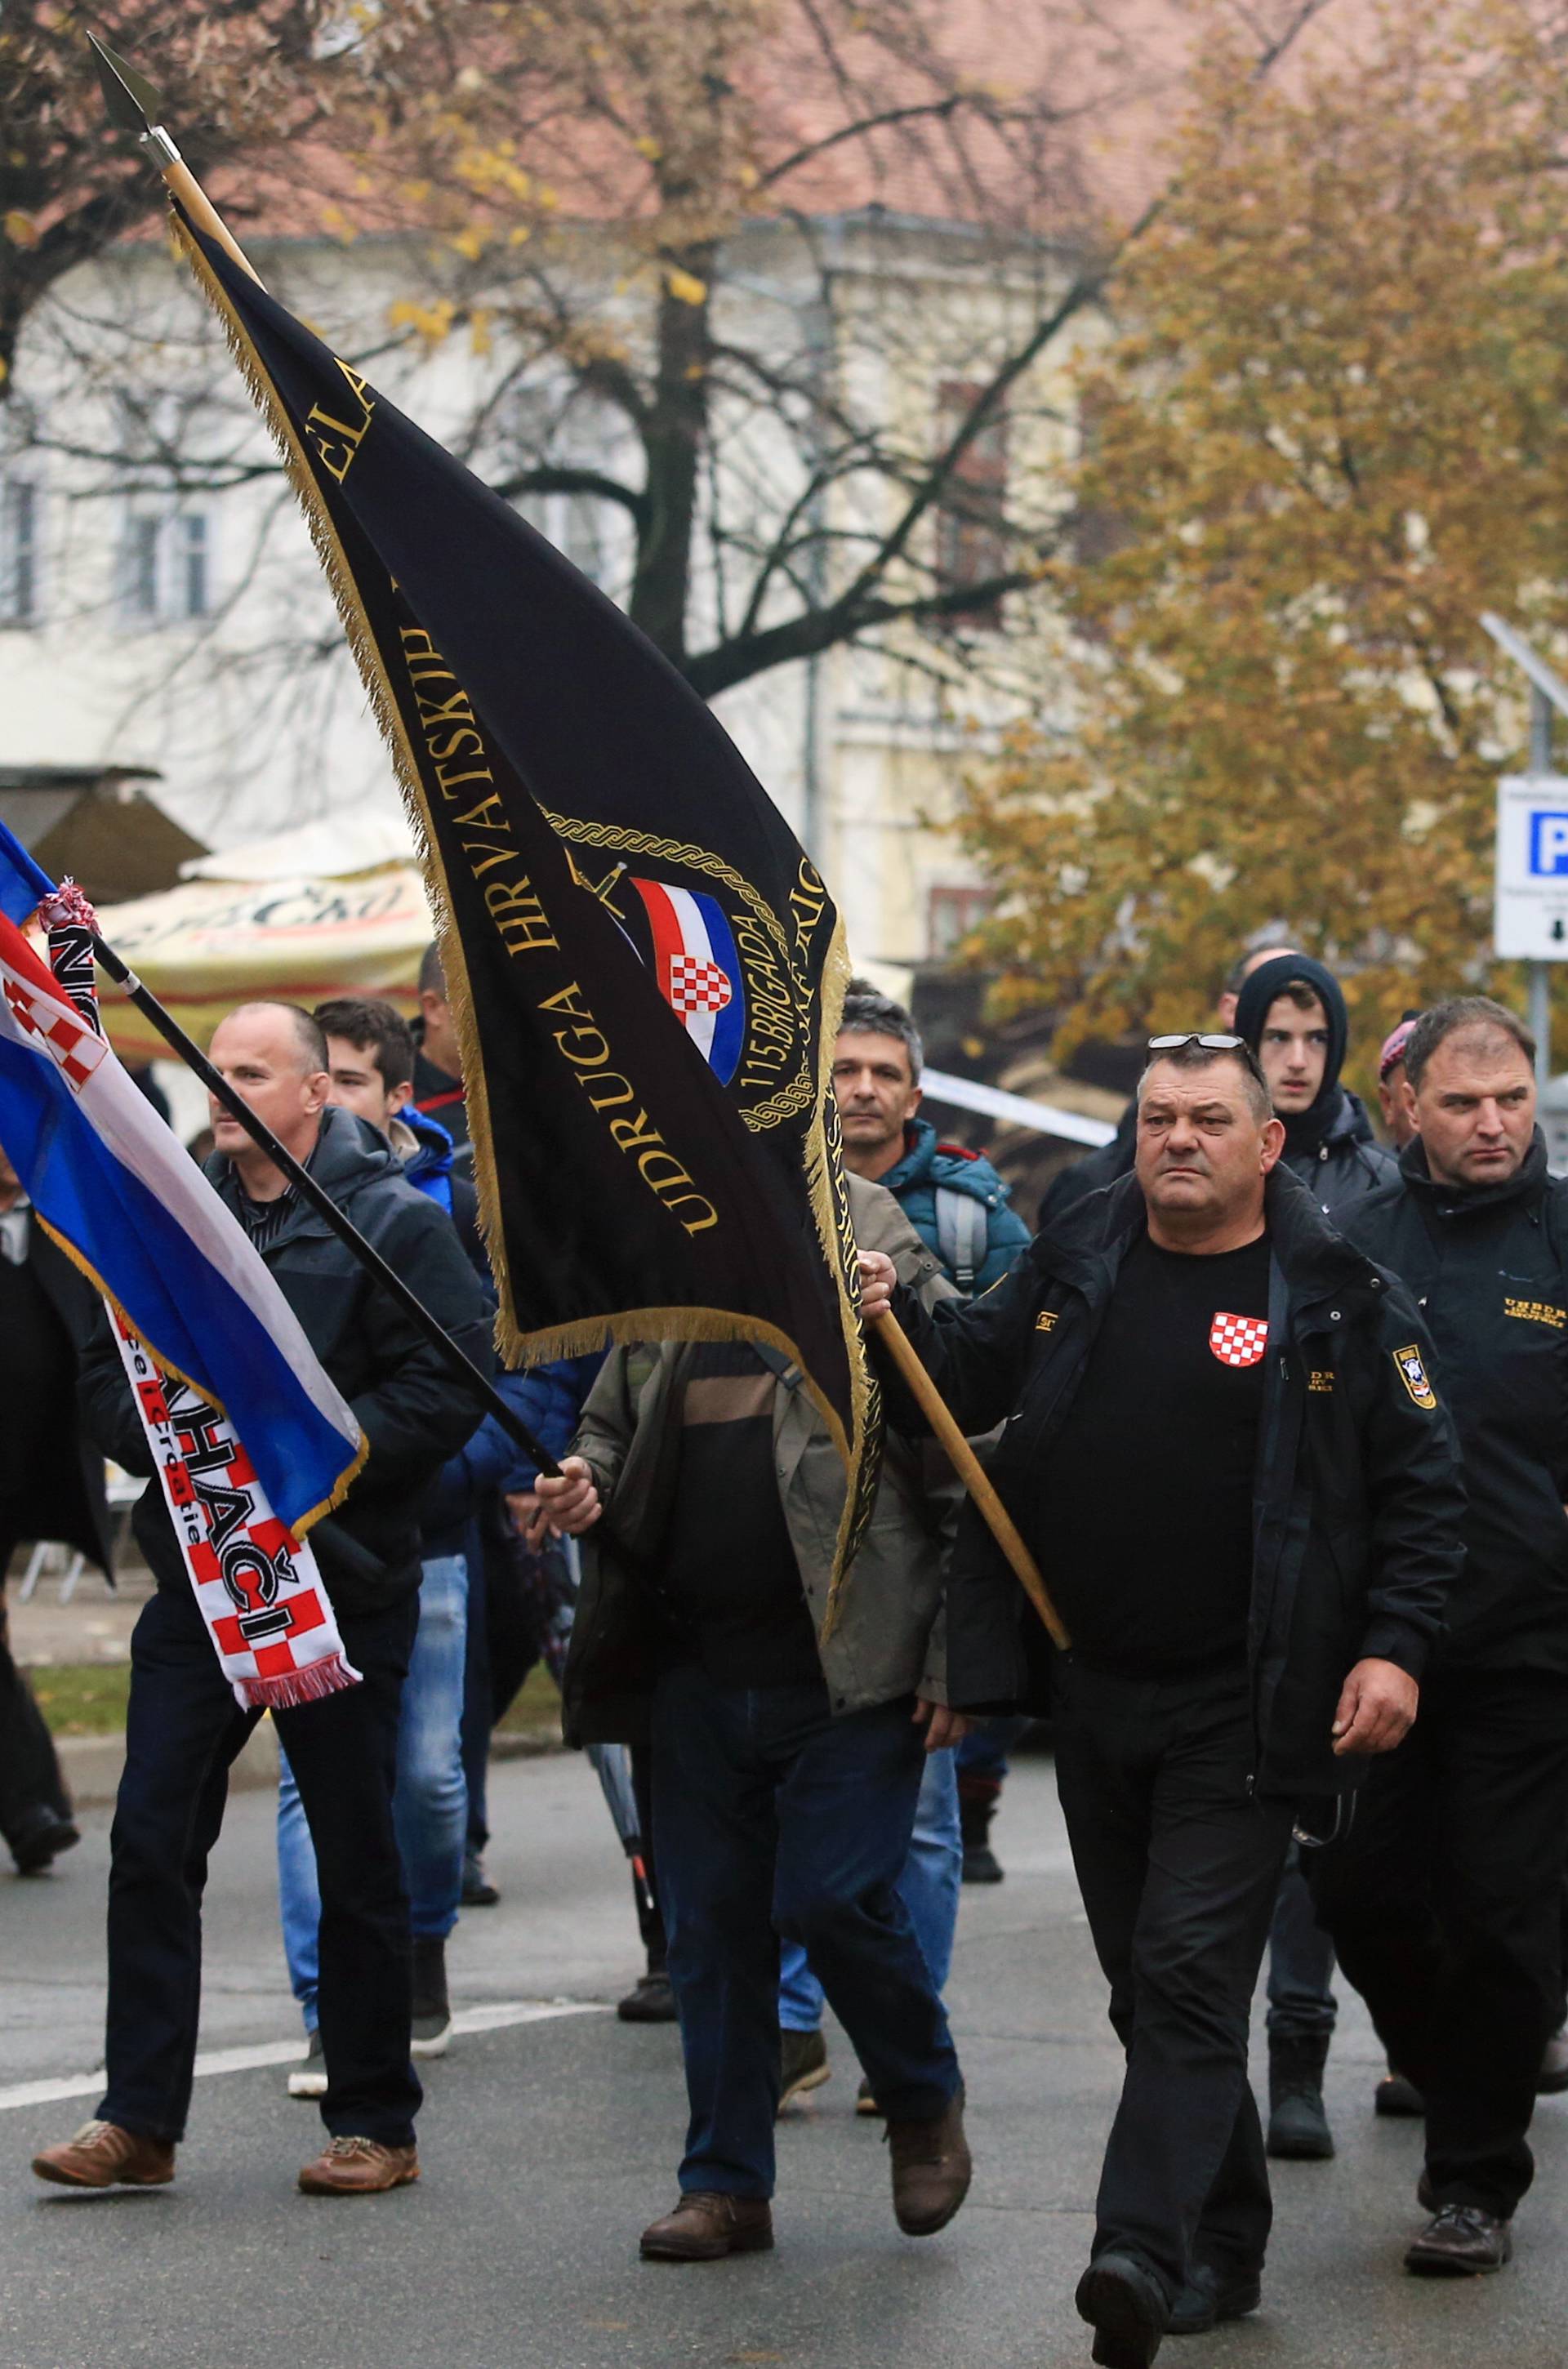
[(92, 1765)]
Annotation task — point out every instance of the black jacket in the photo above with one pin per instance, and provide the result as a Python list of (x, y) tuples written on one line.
[(64, 1497), (413, 1412), (1489, 1270), (1358, 1500)]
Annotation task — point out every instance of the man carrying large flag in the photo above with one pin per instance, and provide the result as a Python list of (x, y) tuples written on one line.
[(248, 1364)]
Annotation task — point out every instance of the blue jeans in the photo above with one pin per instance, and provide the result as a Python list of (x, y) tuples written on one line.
[(985, 1750), (929, 1886), (773, 1817), (429, 1805), (1301, 2004)]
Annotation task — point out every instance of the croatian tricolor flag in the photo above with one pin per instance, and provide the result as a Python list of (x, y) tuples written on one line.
[(116, 1188), (698, 970)]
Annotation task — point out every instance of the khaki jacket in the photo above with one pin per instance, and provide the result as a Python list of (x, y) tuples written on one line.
[(888, 1640)]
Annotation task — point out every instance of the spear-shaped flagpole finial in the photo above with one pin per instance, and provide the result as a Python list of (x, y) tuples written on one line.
[(135, 106)]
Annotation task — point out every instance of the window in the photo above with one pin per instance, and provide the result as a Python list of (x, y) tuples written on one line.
[(972, 542), (164, 566), (951, 915), (19, 552)]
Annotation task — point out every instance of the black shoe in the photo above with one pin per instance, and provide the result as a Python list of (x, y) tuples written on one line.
[(981, 1862), (1211, 2295), (432, 2009), (803, 2064), (38, 1837), (1399, 2097), (1552, 2078), (478, 1891), (1298, 2126), (1461, 2242), (649, 2000), (1124, 2305)]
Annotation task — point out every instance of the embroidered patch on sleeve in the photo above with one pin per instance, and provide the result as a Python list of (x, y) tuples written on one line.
[(1413, 1374), (1045, 1322), (1319, 1380)]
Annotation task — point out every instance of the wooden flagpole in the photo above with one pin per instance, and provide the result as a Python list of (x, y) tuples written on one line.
[(967, 1465)]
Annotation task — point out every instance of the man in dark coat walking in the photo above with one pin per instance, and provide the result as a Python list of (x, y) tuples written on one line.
[(52, 1486), (184, 1728), (1250, 1521), (1444, 1899)]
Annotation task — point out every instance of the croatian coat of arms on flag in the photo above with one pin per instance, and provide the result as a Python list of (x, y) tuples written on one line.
[(1238, 1340)]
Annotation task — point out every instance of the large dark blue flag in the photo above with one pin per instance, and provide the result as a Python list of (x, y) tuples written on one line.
[(645, 967)]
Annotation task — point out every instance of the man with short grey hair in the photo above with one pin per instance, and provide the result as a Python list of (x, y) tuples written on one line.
[(1249, 1521), (1444, 1898)]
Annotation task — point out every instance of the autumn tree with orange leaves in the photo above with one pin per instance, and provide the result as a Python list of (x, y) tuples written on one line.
[(1332, 430)]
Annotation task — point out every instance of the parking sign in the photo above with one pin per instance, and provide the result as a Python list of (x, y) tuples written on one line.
[(1532, 912)]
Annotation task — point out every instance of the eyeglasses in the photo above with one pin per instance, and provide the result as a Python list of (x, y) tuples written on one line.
[(1193, 1036)]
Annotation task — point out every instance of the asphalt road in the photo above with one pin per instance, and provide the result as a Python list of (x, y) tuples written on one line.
[(546, 2143)]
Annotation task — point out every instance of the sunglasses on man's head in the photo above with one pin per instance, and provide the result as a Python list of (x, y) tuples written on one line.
[(1211, 1042), (1196, 1037)]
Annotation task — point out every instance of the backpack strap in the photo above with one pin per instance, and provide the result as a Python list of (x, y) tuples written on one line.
[(963, 1232)]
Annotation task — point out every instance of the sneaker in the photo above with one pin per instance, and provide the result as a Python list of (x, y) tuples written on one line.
[(357, 2167), (432, 2030), (102, 2154), (478, 1891), (649, 2000), (803, 2064), (309, 2079)]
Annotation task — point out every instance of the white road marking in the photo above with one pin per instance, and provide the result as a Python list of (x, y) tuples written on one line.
[(496, 2017)]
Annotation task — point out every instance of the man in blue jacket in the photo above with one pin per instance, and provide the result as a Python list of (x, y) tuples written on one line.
[(955, 1199)]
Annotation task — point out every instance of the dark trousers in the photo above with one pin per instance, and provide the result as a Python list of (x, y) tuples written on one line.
[(1445, 1903), (1301, 2004), (1178, 1868), (183, 1731), (29, 1769), (773, 1817)]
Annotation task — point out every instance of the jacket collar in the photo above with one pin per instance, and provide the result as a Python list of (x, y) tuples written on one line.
[(1528, 1183), (914, 1163), (349, 1153), (1097, 1229)]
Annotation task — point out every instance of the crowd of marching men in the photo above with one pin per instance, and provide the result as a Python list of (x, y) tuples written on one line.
[(1282, 1410)]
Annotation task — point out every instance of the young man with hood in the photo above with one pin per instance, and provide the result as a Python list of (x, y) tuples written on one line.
[(1250, 1523), (1291, 1011)]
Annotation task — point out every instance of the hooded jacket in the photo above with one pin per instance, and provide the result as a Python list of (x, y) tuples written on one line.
[(929, 1167), (1329, 1145), (412, 1412), (886, 1638), (1489, 1271), (1357, 1497)]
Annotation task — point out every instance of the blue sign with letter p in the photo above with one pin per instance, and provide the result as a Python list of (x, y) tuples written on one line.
[(1549, 846)]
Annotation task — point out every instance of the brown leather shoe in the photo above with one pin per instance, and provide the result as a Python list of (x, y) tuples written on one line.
[(705, 2226), (354, 2167), (931, 2170), (103, 2155)]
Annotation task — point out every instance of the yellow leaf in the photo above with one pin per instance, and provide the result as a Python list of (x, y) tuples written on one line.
[(685, 287), (21, 230)]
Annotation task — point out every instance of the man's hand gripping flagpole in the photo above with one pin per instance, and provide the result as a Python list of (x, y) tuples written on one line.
[(877, 1278)]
